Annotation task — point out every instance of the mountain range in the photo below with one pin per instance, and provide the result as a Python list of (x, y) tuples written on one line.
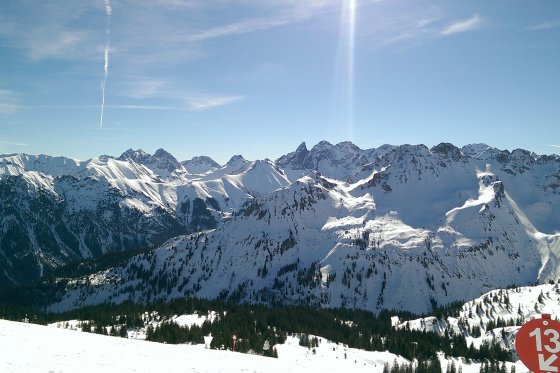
[(399, 227)]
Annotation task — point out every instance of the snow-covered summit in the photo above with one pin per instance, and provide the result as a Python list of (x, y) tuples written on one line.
[(18, 164), (296, 159), (237, 161), (200, 165), (480, 151), (138, 156), (448, 150), (261, 178), (339, 161), (162, 163)]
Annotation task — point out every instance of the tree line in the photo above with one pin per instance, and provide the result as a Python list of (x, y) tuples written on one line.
[(256, 326)]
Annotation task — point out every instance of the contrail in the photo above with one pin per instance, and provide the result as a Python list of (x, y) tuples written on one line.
[(108, 11)]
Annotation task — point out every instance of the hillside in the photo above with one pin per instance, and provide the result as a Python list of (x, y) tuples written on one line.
[(494, 317)]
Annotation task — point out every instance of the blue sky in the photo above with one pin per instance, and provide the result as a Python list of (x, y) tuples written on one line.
[(257, 77)]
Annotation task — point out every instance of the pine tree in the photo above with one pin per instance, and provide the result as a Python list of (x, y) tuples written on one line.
[(503, 368), (436, 366), (451, 368), (123, 333), (150, 333), (386, 368)]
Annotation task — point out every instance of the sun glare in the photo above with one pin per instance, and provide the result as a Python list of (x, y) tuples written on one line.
[(351, 5), (348, 26)]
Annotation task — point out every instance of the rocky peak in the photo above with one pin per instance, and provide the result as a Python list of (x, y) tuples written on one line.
[(163, 154), (138, 156), (161, 160), (479, 151), (296, 159), (302, 148), (348, 146), (237, 160), (448, 150), (200, 162), (164, 160)]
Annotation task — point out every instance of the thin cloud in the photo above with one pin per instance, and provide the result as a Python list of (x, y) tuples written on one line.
[(13, 143), (545, 26), (147, 107), (60, 44), (400, 24), (288, 12), (48, 30), (555, 146), (54, 107), (141, 88), (8, 108), (210, 103), (131, 107), (463, 26), (8, 102), (244, 27), (174, 98)]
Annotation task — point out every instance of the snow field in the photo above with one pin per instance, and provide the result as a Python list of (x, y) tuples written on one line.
[(34, 348)]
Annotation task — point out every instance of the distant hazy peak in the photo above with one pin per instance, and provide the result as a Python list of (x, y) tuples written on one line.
[(237, 159), (348, 145), (161, 153), (138, 155), (448, 150), (322, 145), (301, 148), (201, 160)]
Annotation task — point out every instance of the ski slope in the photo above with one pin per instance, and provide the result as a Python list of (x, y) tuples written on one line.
[(34, 348)]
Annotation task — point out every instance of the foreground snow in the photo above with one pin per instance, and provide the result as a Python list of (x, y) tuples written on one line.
[(35, 348)]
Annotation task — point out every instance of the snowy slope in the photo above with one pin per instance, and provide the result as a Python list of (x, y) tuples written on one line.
[(60, 350), (260, 179), (235, 166), (495, 316)]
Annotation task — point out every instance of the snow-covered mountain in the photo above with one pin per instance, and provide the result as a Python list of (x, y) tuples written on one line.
[(401, 227), (57, 210), (161, 163), (200, 165), (341, 161), (429, 228)]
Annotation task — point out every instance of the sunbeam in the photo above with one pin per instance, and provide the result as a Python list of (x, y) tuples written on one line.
[(348, 28)]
